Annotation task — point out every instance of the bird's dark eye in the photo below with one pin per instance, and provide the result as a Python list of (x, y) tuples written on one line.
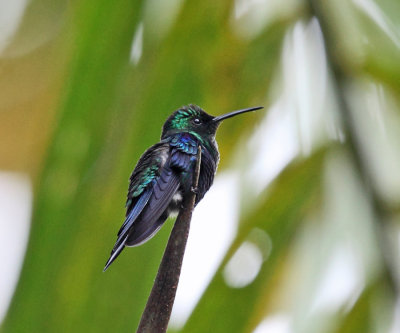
[(197, 121)]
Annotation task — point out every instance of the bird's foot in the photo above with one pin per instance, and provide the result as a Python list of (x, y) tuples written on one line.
[(194, 190)]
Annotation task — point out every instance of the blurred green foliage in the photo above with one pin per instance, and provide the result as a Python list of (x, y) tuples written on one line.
[(93, 112)]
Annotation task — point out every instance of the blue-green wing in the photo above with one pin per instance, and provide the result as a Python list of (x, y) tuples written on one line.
[(142, 181), (181, 157), (157, 177)]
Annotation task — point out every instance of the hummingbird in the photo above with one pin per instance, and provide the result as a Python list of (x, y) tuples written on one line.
[(164, 174)]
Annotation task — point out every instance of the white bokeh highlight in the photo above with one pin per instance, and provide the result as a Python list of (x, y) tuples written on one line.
[(11, 13), (272, 146), (212, 230), (137, 45), (276, 323), (15, 214), (244, 266), (341, 282)]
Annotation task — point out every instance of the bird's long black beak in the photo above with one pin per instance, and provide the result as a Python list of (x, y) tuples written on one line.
[(235, 113)]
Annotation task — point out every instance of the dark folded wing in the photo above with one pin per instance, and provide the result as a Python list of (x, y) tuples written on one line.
[(124, 232), (155, 180), (152, 216), (146, 171), (182, 157), (136, 210), (142, 181)]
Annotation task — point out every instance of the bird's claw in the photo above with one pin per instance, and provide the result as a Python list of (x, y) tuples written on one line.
[(194, 190)]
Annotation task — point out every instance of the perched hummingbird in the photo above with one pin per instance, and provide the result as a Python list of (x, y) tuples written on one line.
[(164, 174)]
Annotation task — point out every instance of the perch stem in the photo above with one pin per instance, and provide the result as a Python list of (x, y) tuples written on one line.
[(158, 309)]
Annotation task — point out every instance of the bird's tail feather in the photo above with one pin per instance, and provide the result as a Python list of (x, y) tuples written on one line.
[(115, 253)]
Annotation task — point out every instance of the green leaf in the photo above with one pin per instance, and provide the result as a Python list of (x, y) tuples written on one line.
[(58, 289)]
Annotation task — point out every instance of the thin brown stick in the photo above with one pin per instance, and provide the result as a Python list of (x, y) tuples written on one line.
[(158, 309)]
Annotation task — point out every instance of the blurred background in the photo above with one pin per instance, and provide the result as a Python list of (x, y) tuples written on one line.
[(301, 230)]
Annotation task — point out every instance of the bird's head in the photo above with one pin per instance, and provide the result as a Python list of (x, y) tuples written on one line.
[(195, 120)]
